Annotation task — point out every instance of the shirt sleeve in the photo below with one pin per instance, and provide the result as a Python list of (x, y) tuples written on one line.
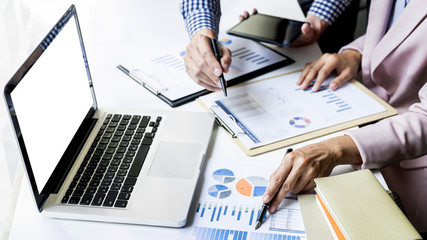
[(328, 10), (201, 14)]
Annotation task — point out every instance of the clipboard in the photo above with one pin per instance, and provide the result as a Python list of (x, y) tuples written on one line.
[(249, 60), (236, 131)]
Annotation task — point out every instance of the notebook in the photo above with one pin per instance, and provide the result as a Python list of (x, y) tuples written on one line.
[(123, 165)]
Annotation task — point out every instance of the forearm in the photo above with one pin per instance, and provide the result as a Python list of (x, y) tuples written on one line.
[(395, 139)]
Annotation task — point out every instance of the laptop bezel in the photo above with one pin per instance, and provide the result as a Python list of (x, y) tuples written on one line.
[(69, 157)]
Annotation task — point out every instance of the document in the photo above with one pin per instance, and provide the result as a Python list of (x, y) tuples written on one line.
[(166, 74), (230, 202), (276, 109)]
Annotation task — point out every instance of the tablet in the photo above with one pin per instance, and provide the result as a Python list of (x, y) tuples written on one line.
[(269, 29)]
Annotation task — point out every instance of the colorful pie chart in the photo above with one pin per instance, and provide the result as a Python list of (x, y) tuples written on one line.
[(253, 186), (300, 122)]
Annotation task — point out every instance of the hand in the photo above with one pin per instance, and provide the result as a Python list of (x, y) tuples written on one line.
[(346, 64), (298, 169), (200, 62), (245, 14), (310, 31)]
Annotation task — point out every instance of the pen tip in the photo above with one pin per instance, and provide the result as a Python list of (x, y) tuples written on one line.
[(258, 224)]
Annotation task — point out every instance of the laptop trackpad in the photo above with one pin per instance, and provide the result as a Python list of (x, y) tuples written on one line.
[(176, 160)]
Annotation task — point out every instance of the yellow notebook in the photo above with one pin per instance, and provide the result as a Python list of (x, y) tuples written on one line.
[(362, 209)]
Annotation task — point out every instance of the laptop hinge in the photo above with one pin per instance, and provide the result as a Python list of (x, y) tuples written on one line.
[(68, 158)]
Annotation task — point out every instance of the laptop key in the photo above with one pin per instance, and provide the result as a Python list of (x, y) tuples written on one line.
[(86, 199), (124, 196), (74, 200), (121, 204), (138, 161), (98, 199), (130, 181), (111, 197)]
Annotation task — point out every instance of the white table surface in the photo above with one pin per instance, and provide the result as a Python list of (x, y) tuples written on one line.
[(123, 32)]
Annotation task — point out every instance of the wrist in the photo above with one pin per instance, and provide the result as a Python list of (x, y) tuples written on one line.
[(204, 32), (344, 150), (317, 24)]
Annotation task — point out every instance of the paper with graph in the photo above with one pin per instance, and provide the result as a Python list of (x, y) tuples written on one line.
[(230, 202), (167, 74), (275, 109)]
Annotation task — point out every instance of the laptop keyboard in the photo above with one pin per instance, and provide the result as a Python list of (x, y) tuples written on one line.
[(108, 173)]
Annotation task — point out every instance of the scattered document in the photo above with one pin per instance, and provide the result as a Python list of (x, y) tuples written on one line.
[(271, 110), (167, 73), (230, 202)]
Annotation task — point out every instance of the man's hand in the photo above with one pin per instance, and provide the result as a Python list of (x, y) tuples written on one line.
[(310, 31), (201, 64)]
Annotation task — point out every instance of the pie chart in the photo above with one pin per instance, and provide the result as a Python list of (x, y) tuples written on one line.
[(253, 186), (219, 191), (223, 175)]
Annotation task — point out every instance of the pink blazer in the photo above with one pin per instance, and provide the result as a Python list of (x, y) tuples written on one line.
[(394, 66)]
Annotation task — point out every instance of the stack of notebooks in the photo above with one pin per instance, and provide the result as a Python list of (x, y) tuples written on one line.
[(354, 206)]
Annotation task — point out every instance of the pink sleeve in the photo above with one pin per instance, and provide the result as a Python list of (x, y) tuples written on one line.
[(355, 45), (396, 138)]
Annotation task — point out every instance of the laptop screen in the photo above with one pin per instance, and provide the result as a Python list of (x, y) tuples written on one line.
[(52, 98)]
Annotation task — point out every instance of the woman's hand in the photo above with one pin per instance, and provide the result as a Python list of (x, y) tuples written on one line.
[(200, 62), (346, 64), (299, 168)]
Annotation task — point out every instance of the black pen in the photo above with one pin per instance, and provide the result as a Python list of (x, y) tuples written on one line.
[(218, 55), (266, 206)]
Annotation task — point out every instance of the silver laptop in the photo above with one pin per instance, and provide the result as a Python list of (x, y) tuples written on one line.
[(83, 162)]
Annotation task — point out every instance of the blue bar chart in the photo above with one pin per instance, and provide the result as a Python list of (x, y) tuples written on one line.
[(201, 233)]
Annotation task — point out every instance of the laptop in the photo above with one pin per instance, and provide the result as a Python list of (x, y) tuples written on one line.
[(123, 165)]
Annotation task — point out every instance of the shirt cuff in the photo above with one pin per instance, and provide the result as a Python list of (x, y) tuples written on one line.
[(202, 19), (328, 11)]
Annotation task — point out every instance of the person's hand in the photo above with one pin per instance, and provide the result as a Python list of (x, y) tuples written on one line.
[(310, 31), (200, 62), (346, 65), (299, 168), (245, 14)]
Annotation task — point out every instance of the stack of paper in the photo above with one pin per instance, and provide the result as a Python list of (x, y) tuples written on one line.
[(356, 206)]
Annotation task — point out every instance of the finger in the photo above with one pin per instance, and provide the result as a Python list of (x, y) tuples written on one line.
[(213, 68), (342, 78), (196, 70), (304, 73), (311, 75), (226, 58), (327, 68), (254, 11), (304, 180), (246, 14), (284, 190), (200, 77), (309, 186), (277, 178), (306, 36)]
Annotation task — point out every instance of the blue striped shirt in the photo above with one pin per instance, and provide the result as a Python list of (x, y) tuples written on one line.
[(201, 14)]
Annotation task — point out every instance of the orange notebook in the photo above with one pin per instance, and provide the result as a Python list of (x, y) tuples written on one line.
[(331, 222)]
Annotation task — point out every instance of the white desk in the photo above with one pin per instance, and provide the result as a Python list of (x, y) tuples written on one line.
[(122, 32)]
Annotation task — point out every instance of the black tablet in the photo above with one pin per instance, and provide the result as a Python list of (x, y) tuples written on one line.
[(269, 29)]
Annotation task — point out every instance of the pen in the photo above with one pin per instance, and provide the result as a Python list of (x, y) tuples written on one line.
[(265, 206), (218, 55)]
